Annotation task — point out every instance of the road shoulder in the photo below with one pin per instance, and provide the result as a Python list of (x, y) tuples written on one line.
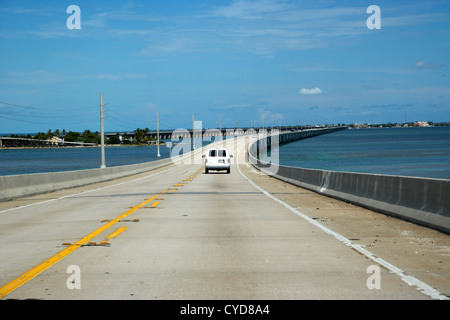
[(421, 252)]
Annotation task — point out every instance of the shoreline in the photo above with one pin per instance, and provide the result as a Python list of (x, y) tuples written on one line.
[(134, 150), (78, 147)]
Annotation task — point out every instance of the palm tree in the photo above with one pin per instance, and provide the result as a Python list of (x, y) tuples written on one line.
[(86, 135), (145, 132), (140, 135)]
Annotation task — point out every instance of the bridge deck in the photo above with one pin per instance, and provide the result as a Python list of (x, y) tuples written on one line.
[(191, 235)]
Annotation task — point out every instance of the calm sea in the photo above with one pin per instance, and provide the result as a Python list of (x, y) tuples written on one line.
[(422, 152), (21, 161), (25, 161)]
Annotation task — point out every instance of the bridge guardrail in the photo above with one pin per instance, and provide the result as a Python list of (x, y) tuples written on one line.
[(16, 186)]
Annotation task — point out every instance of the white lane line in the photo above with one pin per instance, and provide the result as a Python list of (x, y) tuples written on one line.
[(421, 286), (83, 192)]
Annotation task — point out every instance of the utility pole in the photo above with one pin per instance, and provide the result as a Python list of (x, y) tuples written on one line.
[(102, 139), (157, 133), (193, 140)]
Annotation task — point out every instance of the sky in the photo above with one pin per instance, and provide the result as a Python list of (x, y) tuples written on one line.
[(225, 63)]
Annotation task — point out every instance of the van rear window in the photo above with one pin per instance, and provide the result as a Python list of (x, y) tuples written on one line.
[(222, 153), (212, 153)]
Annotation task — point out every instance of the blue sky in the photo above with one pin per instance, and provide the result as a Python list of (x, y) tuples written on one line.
[(252, 62)]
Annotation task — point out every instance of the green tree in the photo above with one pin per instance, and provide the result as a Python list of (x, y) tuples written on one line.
[(90, 137), (140, 135), (86, 135), (40, 136), (73, 137), (114, 139)]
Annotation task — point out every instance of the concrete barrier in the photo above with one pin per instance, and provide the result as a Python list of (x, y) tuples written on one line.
[(420, 200), (16, 186)]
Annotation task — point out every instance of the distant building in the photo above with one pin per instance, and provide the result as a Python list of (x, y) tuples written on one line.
[(421, 124)]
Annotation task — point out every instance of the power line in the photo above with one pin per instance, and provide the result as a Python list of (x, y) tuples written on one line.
[(123, 120), (43, 116), (128, 121), (123, 117), (45, 109), (119, 123), (35, 122), (57, 114)]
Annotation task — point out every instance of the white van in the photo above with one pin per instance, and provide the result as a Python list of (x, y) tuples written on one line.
[(217, 159)]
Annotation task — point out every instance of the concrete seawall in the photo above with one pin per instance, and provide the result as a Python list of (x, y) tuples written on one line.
[(15, 186), (419, 200)]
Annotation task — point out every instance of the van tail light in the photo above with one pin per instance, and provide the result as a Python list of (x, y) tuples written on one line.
[(228, 160), (206, 160)]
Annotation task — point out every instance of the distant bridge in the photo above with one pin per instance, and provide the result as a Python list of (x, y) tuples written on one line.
[(12, 142), (209, 132)]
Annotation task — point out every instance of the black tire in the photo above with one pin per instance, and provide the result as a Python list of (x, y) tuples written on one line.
[(206, 171), (228, 170)]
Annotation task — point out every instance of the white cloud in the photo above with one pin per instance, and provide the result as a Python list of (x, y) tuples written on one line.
[(268, 116), (248, 9), (425, 65), (114, 77), (33, 77), (233, 107), (310, 91)]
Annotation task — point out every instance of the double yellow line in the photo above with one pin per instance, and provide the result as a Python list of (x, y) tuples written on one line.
[(27, 276), (6, 289)]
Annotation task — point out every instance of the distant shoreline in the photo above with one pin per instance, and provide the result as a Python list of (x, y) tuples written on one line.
[(72, 147)]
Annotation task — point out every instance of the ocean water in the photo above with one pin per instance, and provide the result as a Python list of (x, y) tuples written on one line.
[(23, 161), (26, 161), (421, 152)]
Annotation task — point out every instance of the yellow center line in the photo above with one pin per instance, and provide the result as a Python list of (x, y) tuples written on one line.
[(116, 233), (27, 276)]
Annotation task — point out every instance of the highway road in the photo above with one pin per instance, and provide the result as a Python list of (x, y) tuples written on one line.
[(178, 233)]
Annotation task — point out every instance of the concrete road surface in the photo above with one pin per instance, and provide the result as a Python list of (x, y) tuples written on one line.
[(178, 233)]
